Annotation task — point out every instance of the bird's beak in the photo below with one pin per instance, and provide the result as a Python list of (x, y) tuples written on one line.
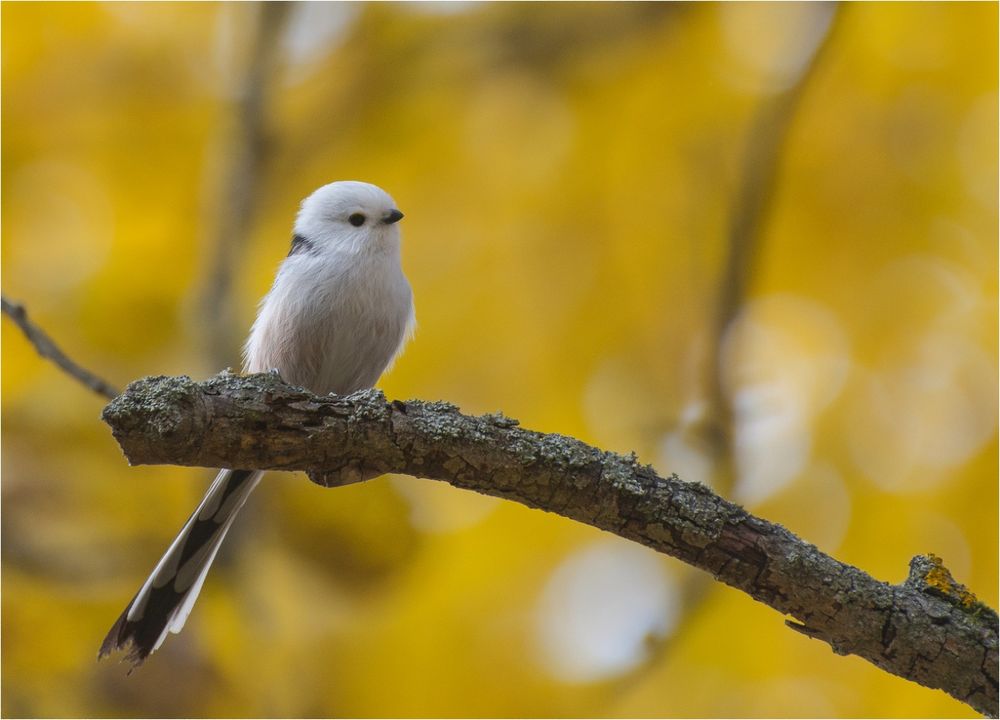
[(394, 216)]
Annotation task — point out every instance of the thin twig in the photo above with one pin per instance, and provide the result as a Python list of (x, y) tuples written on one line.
[(47, 348)]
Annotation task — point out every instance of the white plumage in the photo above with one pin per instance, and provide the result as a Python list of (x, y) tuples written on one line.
[(340, 308), (338, 314)]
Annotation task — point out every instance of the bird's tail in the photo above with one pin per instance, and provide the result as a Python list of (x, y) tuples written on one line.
[(165, 600)]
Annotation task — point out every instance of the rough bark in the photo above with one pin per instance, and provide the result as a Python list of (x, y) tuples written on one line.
[(927, 629)]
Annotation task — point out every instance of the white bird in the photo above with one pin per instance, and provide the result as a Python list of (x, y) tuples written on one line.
[(338, 314)]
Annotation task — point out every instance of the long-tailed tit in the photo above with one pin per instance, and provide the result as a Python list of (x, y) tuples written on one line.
[(338, 314)]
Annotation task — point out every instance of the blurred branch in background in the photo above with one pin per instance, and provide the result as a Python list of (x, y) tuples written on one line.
[(246, 155), (713, 430), (758, 186), (47, 348), (927, 629)]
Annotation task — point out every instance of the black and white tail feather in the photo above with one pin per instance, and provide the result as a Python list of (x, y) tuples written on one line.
[(338, 314), (165, 600)]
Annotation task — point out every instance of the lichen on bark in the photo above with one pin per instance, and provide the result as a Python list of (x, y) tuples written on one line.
[(928, 629)]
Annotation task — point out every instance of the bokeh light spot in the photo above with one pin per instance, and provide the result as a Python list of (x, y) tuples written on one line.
[(601, 608), (772, 42), (784, 359), (922, 410)]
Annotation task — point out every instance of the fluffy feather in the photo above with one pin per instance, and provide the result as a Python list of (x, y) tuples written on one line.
[(338, 314)]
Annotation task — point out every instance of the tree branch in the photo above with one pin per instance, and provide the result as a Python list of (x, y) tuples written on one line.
[(927, 629), (47, 348)]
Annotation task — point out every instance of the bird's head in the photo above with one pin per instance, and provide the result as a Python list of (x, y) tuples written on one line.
[(349, 214)]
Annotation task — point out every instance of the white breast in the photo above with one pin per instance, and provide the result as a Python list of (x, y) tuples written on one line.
[(333, 321)]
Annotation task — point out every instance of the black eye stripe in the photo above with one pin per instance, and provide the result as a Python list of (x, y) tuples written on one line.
[(301, 244), (356, 219)]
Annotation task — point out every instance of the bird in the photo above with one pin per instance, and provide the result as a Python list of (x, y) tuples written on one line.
[(336, 318)]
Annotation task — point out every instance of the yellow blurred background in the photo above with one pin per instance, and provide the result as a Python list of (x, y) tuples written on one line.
[(570, 175)]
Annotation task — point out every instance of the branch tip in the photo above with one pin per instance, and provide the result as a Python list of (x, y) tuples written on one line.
[(929, 575)]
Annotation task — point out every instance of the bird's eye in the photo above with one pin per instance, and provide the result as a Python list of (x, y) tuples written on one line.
[(356, 219)]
